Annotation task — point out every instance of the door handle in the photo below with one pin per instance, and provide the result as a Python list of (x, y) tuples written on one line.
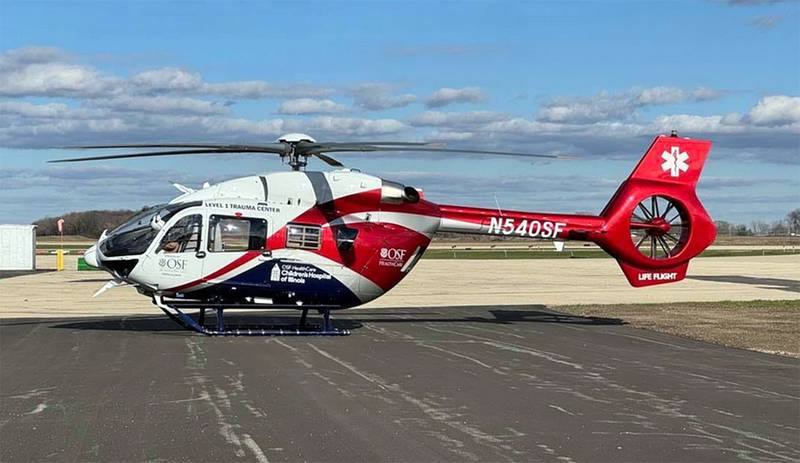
[(200, 254)]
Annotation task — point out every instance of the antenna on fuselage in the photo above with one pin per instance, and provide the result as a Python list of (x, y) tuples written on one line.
[(499, 211)]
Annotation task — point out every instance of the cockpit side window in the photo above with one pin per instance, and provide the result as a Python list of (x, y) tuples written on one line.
[(184, 236), (131, 238), (231, 234), (135, 236), (128, 243)]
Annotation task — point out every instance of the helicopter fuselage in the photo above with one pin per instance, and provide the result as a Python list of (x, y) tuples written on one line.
[(339, 238)]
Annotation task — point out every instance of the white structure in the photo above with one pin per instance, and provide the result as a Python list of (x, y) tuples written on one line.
[(17, 247)]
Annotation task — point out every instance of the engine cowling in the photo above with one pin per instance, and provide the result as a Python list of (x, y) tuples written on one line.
[(397, 193)]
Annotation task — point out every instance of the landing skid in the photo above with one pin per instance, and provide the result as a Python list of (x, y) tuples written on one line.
[(173, 310)]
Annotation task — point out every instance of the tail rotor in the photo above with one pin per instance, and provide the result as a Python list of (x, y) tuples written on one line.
[(659, 227)]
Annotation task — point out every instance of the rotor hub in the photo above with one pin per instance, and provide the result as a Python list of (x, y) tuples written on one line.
[(293, 138), (296, 160), (659, 227)]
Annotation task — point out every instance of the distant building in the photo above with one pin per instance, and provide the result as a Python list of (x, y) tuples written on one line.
[(17, 247)]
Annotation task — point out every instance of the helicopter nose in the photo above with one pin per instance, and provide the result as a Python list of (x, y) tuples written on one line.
[(90, 256)]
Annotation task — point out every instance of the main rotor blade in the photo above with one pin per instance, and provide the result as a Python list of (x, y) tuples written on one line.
[(308, 148), (160, 153), (271, 148), (328, 160), (303, 148), (375, 143), (370, 148)]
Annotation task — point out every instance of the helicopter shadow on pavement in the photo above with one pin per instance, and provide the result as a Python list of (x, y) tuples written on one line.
[(507, 315), (781, 284)]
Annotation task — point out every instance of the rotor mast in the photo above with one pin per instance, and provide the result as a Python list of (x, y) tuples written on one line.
[(297, 161)]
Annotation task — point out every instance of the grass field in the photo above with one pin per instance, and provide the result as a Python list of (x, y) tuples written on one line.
[(765, 326), (53, 246)]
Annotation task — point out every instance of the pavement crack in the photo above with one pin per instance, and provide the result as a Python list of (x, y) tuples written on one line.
[(462, 356), (550, 356), (432, 411), (218, 401)]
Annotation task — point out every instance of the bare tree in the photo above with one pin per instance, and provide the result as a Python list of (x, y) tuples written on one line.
[(793, 217)]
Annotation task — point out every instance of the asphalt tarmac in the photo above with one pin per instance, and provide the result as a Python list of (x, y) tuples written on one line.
[(494, 383)]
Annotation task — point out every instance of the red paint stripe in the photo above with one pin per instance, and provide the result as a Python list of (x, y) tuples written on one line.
[(247, 257)]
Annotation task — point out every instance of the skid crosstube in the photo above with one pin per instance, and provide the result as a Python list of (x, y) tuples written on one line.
[(173, 310)]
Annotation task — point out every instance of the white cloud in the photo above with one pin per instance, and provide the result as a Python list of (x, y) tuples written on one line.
[(776, 114), (167, 79), (765, 22), (20, 57), (45, 72), (599, 108), (160, 105), (447, 135), (456, 119), (175, 104), (776, 110), (50, 72), (610, 106), (767, 132), (694, 124), (445, 96), (704, 94), (310, 106), (256, 89), (27, 125), (657, 95), (347, 125), (26, 109), (376, 97)]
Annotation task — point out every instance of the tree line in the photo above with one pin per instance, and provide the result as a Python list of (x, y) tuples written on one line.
[(92, 223), (87, 223), (790, 225)]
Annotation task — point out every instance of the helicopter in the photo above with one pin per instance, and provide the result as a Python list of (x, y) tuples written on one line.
[(326, 241)]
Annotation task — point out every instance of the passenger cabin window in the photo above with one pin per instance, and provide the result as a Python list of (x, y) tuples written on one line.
[(303, 236), (230, 234), (184, 236)]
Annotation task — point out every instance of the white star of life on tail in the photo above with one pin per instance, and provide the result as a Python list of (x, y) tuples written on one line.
[(675, 161)]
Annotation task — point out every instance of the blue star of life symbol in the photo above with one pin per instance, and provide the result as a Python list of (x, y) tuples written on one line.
[(674, 161)]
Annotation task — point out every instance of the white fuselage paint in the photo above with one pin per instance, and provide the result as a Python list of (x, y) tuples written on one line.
[(278, 198)]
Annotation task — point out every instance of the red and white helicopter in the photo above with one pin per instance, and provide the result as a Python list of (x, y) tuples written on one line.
[(334, 240)]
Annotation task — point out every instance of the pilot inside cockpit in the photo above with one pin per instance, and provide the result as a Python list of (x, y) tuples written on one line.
[(184, 236)]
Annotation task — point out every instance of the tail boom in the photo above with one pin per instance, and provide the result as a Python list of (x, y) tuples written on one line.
[(496, 222), (653, 225)]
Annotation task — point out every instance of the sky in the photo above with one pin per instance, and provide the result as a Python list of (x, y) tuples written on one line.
[(593, 80)]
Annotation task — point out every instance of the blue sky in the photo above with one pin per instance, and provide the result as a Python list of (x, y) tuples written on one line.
[(593, 79)]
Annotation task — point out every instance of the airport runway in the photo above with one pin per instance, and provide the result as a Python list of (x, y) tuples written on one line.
[(410, 384)]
